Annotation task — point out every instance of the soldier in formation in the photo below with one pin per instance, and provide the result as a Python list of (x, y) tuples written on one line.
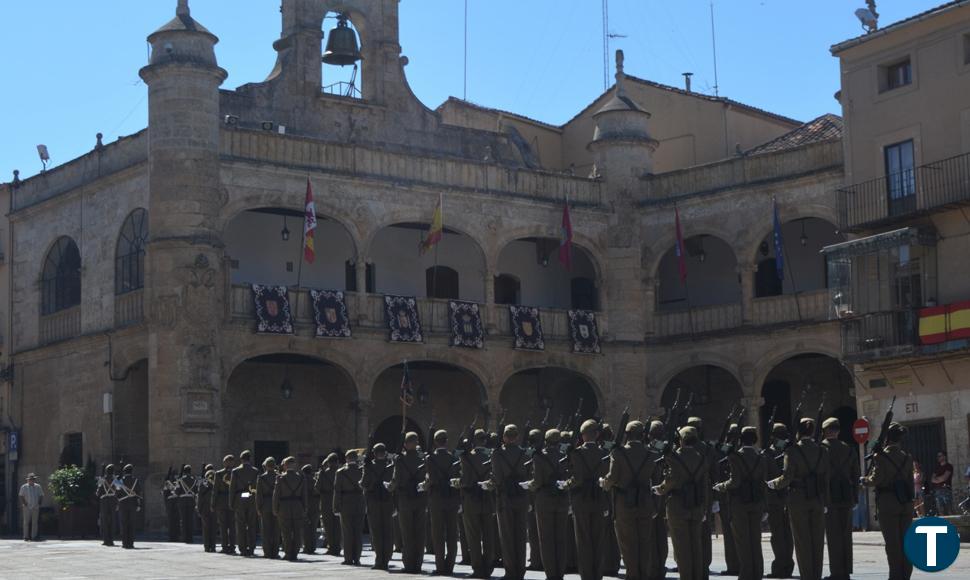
[(269, 528), (242, 501), (443, 502), (185, 489), (408, 482), (289, 507), (310, 534), (348, 506), (375, 480), (323, 486), (891, 474), (843, 495), (203, 507), (108, 505), (129, 504), (222, 507)]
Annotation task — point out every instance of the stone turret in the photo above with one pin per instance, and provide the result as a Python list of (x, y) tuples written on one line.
[(622, 146), (184, 287)]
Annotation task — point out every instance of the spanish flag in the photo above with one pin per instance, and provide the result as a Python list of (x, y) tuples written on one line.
[(435, 231), (309, 225), (939, 324)]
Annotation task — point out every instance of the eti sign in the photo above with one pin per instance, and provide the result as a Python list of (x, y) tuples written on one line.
[(931, 544)]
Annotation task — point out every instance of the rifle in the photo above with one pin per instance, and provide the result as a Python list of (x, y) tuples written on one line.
[(431, 428), (562, 422), (577, 422), (544, 424), (670, 428), (881, 440), (619, 437), (500, 426), (818, 420), (733, 417), (771, 424)]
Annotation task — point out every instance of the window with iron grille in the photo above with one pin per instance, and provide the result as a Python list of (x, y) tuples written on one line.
[(61, 280), (130, 253)]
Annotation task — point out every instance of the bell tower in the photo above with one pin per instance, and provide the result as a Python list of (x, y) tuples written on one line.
[(183, 286)]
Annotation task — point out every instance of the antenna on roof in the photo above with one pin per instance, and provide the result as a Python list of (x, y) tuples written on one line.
[(868, 17), (714, 49), (607, 35), (44, 156)]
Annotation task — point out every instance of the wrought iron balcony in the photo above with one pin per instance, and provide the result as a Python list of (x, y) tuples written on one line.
[(879, 335), (900, 196)]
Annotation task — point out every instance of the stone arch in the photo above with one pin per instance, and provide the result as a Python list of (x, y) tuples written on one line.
[(129, 256), (689, 230), (580, 240), (449, 356), (712, 271), (715, 391), (131, 415), (666, 373), (422, 215), (556, 387), (60, 276), (755, 236), (310, 349)]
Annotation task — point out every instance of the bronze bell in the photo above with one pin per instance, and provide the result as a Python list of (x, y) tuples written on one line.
[(342, 46)]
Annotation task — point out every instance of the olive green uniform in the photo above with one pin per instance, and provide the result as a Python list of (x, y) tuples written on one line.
[(242, 500), (348, 501), (269, 527), (412, 507), (289, 506), (310, 533), (171, 500), (843, 495), (220, 503), (590, 507), (323, 485), (108, 505), (720, 472), (380, 510), (805, 473), (512, 507), (630, 478), (478, 511), (707, 549), (129, 503), (746, 496), (686, 481), (207, 515), (892, 475), (779, 521), (551, 510), (185, 488), (443, 503)]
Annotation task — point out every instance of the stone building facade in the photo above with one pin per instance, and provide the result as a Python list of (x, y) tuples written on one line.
[(132, 266)]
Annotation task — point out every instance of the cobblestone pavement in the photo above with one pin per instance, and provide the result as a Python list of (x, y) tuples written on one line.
[(64, 560)]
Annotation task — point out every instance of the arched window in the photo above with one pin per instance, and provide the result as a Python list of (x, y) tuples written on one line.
[(130, 253), (444, 285), (61, 279), (508, 289)]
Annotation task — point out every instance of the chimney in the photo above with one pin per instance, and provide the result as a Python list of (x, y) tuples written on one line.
[(687, 76)]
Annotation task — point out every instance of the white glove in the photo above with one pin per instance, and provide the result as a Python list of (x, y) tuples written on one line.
[(716, 507), (773, 484), (764, 517), (387, 485), (456, 483), (825, 510), (704, 518), (606, 513), (719, 487), (602, 482), (336, 514), (422, 487), (524, 485), (561, 484), (656, 490)]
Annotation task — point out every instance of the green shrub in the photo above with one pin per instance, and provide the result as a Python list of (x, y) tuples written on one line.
[(72, 486)]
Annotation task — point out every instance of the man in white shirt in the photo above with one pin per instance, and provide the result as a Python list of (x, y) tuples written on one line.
[(31, 496)]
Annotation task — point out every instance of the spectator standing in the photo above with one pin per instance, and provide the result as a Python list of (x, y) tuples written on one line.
[(943, 484), (31, 496), (918, 488)]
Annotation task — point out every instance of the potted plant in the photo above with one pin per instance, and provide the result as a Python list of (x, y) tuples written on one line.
[(73, 490)]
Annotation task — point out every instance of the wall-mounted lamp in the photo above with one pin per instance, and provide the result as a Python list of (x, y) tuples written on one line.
[(285, 232), (804, 238)]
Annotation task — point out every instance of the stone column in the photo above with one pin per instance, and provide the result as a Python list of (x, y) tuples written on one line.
[(491, 310), (747, 272)]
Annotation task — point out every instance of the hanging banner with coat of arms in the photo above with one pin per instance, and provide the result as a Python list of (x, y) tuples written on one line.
[(582, 329), (273, 314), (526, 328), (401, 315), (330, 313), (466, 324)]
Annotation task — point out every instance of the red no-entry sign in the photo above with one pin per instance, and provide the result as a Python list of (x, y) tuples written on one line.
[(860, 430)]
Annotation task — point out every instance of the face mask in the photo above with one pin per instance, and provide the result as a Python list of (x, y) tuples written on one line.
[(779, 444)]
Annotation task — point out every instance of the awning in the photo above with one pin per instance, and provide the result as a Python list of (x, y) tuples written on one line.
[(902, 237)]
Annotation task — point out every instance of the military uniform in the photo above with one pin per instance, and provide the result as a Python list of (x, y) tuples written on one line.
[(108, 504), (310, 533), (289, 506), (686, 481), (129, 503), (843, 495), (659, 547), (590, 507), (380, 508), (323, 485), (443, 503), (171, 500), (630, 478), (220, 504), (242, 500), (711, 456), (776, 501), (535, 549), (203, 506), (185, 487), (805, 473), (269, 528), (512, 504), (719, 472), (892, 476), (478, 508), (551, 506), (745, 490), (348, 502), (412, 506)]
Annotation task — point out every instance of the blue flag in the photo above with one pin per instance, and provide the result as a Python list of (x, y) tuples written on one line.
[(779, 245)]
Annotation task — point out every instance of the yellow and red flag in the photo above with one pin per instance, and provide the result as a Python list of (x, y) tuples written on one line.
[(939, 324), (309, 225), (435, 231)]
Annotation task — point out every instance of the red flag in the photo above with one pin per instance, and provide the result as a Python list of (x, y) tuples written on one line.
[(309, 224), (566, 239), (679, 249)]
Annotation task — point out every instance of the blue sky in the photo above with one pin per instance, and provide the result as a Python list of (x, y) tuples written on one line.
[(69, 68)]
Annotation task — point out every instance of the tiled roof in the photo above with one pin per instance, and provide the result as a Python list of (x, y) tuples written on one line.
[(471, 105), (828, 127), (836, 48)]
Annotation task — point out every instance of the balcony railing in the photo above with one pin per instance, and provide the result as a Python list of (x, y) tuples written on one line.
[(60, 325), (698, 320), (920, 190), (879, 335), (811, 306), (129, 308)]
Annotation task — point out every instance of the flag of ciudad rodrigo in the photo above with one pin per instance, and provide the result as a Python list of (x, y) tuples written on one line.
[(679, 248), (566, 239), (309, 225), (435, 231)]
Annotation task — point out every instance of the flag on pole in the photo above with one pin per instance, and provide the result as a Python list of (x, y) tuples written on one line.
[(407, 387), (679, 248), (566, 239), (435, 231), (779, 244), (309, 225)]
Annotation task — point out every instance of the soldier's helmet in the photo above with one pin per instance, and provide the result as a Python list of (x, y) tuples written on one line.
[(380, 448), (269, 462), (656, 429), (749, 435), (332, 458), (831, 424), (806, 426), (553, 436), (307, 469), (411, 437), (535, 437), (634, 430), (688, 435), (480, 437), (351, 455), (128, 469), (228, 459), (896, 432), (589, 426), (510, 432), (109, 468), (441, 437), (289, 461), (779, 431)]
